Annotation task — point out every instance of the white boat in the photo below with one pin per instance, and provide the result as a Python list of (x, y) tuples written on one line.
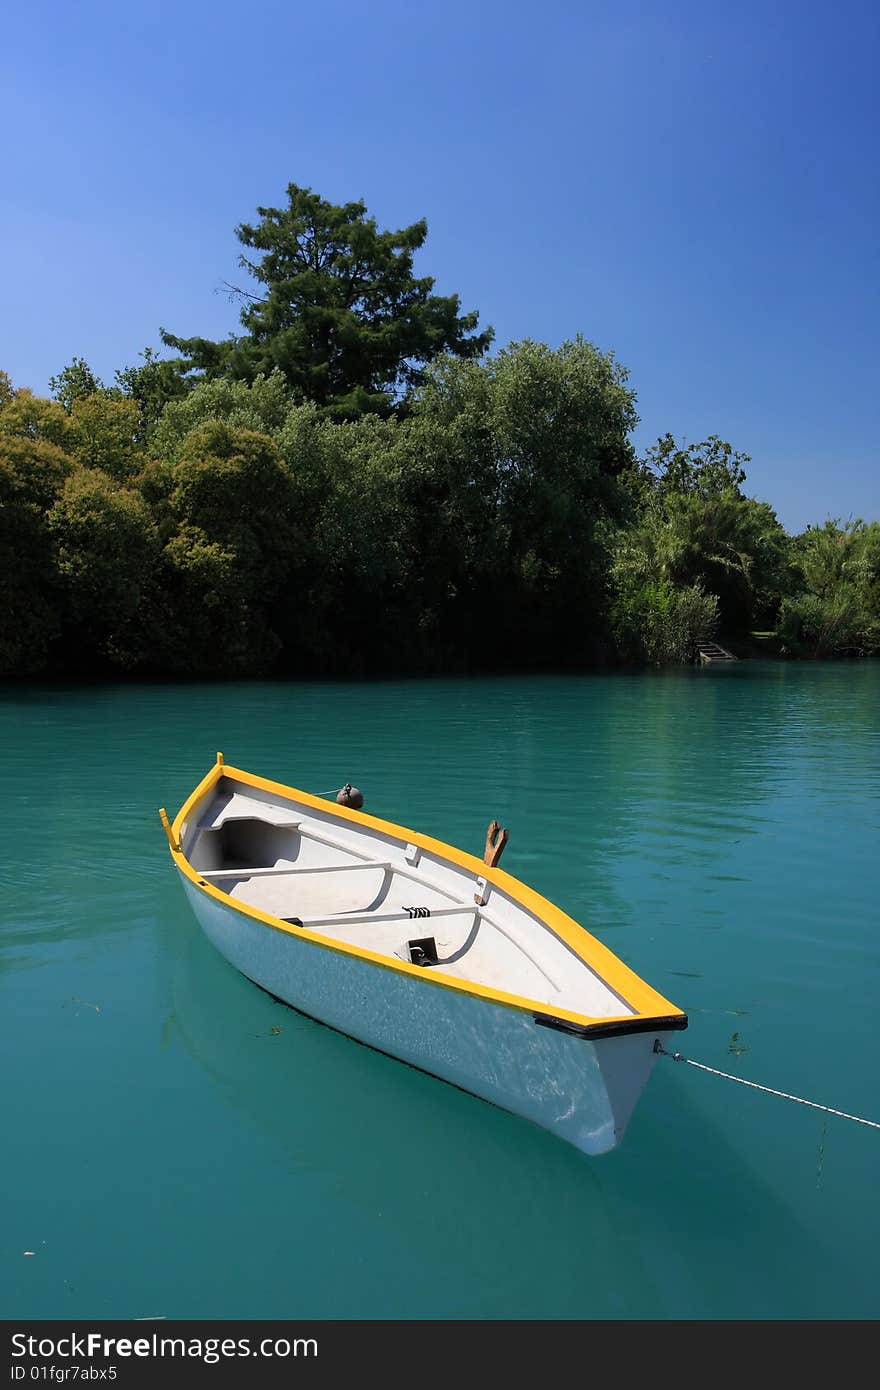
[(422, 951)]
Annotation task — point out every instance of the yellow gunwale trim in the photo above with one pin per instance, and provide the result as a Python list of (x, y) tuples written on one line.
[(645, 1002)]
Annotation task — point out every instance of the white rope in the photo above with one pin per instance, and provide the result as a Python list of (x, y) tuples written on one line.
[(769, 1090)]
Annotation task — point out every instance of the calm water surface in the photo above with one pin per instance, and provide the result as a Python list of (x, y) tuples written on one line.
[(176, 1144)]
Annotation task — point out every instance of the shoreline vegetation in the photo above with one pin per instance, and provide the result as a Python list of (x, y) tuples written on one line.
[(356, 484)]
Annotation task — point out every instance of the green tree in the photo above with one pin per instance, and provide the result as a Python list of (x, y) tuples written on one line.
[(696, 526), (26, 416), (74, 382), (32, 474), (363, 601), (104, 433), (152, 384), (836, 611), (260, 405), (524, 459), (707, 469), (106, 551), (339, 309), (226, 509)]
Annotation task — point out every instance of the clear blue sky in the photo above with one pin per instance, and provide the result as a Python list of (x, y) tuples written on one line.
[(693, 185)]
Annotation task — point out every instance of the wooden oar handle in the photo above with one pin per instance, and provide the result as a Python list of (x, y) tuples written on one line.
[(496, 839)]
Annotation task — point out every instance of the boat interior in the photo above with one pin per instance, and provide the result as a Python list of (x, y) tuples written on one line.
[(360, 886)]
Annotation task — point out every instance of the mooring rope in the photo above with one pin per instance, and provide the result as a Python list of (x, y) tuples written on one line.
[(769, 1090)]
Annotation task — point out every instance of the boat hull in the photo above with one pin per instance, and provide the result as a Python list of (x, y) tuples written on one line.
[(580, 1089)]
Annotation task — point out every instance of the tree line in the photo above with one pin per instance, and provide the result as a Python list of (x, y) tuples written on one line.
[(355, 483)]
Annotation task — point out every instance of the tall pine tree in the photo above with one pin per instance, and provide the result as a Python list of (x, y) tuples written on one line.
[(339, 310)]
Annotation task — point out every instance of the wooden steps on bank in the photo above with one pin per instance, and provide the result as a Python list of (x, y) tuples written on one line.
[(710, 652)]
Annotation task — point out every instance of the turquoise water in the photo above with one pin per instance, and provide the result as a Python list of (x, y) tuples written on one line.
[(177, 1144)]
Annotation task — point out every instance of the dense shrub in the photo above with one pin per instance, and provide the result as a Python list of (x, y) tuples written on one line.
[(661, 624), (837, 609)]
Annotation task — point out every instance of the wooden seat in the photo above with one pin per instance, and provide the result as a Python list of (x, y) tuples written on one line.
[(312, 894)]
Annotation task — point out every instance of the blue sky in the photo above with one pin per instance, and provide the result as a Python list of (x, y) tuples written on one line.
[(692, 185)]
